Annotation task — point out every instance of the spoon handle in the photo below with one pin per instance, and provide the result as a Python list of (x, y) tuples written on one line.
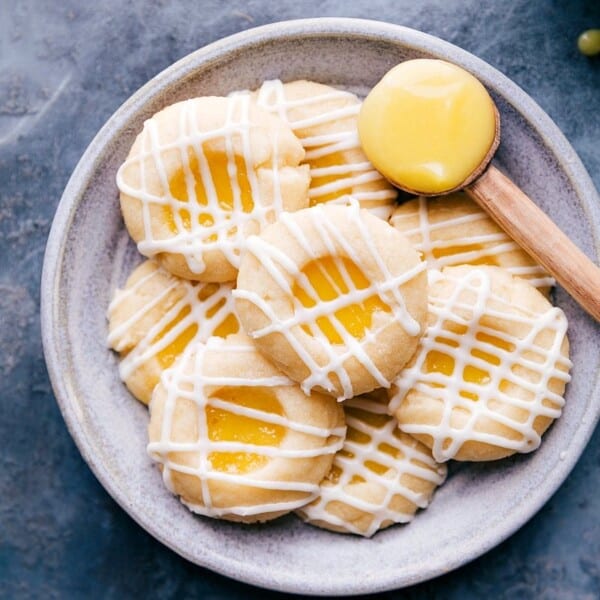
[(536, 233)]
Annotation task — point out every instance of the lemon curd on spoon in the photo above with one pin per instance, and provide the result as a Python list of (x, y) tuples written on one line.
[(427, 126)]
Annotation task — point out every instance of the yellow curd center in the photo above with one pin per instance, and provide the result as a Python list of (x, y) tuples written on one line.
[(376, 421), (461, 250), (329, 160), (331, 278), (442, 361), (427, 125), (167, 355), (211, 183), (443, 228), (226, 426)]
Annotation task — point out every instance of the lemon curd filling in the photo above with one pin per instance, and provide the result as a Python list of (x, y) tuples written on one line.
[(227, 326), (346, 178), (331, 278), (427, 125), (441, 361), (329, 160), (227, 426), (375, 421), (167, 355), (464, 249), (209, 183), (230, 323)]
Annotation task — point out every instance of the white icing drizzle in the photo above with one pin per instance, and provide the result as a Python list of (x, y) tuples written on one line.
[(217, 302), (227, 231), (412, 458), (349, 176), (493, 244), (448, 440), (387, 287), (179, 385)]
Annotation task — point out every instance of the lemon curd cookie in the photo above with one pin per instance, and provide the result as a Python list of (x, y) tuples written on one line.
[(454, 230), (154, 318), (489, 375), (325, 121), (380, 477), (335, 297), (235, 438), (201, 176)]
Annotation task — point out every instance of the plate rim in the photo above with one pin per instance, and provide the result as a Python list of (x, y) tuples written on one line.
[(59, 369)]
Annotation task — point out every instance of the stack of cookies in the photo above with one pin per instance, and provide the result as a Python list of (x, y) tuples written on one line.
[(305, 342)]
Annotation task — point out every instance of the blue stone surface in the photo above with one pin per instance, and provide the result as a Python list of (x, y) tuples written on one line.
[(64, 68)]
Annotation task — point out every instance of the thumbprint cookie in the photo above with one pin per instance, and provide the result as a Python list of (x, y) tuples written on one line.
[(336, 297), (325, 121), (453, 230), (235, 438), (489, 374), (154, 318), (380, 477), (204, 174)]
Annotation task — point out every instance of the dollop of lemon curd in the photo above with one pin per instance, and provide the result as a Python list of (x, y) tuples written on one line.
[(427, 126), (330, 279), (214, 175), (335, 159), (443, 362), (227, 426), (227, 326)]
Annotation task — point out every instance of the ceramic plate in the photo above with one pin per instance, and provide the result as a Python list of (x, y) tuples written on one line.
[(89, 254)]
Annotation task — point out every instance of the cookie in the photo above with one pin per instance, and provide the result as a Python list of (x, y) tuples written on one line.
[(203, 175), (335, 297), (453, 230), (235, 438), (380, 477), (325, 121), (489, 375), (154, 318)]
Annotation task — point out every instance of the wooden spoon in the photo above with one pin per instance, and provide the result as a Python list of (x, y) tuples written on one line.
[(529, 226), (538, 235)]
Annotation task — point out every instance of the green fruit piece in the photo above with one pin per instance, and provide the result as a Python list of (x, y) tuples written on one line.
[(589, 42)]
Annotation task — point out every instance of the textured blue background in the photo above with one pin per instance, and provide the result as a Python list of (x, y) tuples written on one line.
[(65, 66)]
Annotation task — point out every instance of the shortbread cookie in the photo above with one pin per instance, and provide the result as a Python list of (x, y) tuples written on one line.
[(489, 375), (154, 318), (203, 175), (453, 230), (325, 121), (335, 297), (235, 438), (380, 477)]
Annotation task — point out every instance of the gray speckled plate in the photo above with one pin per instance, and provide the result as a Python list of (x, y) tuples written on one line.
[(89, 253)]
